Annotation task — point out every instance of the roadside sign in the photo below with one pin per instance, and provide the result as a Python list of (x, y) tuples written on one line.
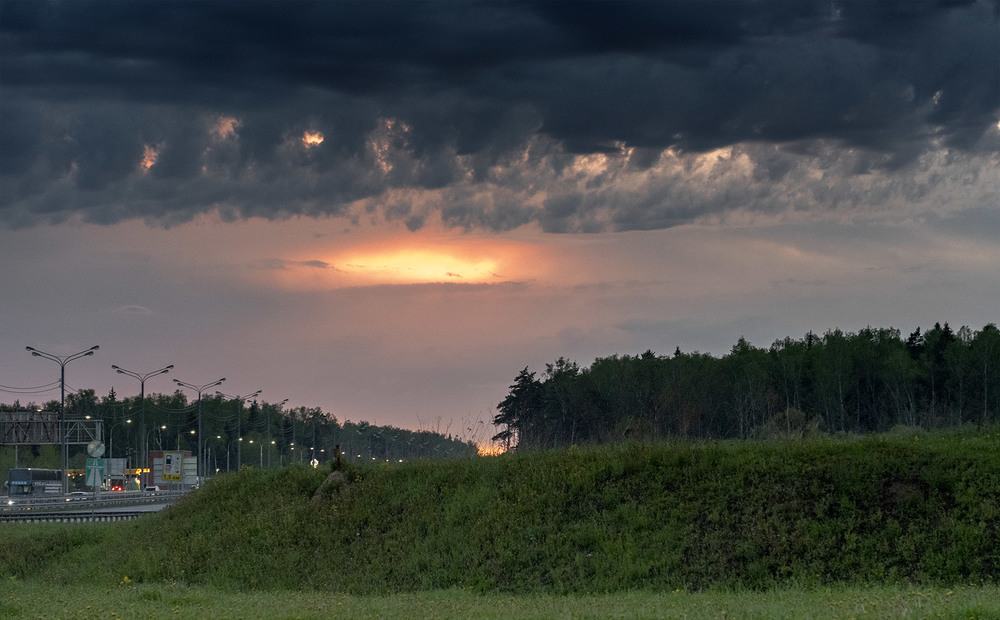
[(95, 472), (172, 463), (96, 449)]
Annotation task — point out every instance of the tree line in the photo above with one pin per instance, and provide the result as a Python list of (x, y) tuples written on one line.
[(868, 381), (271, 435)]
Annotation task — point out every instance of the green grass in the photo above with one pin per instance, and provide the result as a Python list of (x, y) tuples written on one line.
[(902, 510), (40, 600)]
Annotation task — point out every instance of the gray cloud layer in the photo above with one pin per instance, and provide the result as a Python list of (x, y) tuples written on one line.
[(487, 109)]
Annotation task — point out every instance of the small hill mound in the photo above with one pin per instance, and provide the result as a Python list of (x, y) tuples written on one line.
[(918, 508)]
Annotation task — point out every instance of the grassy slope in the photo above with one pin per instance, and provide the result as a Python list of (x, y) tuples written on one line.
[(147, 601), (913, 508)]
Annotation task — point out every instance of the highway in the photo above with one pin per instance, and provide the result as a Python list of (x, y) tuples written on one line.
[(109, 506)]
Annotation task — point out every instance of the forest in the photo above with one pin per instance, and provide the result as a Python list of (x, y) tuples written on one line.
[(236, 433), (840, 382)]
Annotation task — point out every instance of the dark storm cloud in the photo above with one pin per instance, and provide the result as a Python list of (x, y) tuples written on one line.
[(447, 96)]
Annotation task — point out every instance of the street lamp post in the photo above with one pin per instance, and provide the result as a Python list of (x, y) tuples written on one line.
[(142, 397), (199, 389), (159, 436), (279, 406), (111, 437), (260, 459), (229, 448), (214, 452), (62, 361), (143, 481), (239, 414)]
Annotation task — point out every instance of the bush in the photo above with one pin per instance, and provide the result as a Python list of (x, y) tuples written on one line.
[(788, 424)]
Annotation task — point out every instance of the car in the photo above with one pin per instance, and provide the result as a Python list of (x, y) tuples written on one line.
[(75, 496), (150, 489)]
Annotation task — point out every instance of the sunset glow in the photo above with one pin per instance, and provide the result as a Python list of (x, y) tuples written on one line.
[(149, 157), (225, 127), (417, 265), (404, 258), (312, 138), (490, 449)]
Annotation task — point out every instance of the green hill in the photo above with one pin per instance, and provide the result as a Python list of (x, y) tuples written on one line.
[(918, 508)]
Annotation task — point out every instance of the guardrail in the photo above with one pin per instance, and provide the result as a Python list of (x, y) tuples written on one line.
[(72, 517), (61, 503)]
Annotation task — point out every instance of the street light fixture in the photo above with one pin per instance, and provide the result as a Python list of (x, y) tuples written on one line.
[(159, 437), (229, 449), (199, 389), (206, 445), (62, 361), (111, 436), (142, 396), (239, 414)]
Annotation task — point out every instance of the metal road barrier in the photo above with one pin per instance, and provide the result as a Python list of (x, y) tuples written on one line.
[(70, 507), (72, 517)]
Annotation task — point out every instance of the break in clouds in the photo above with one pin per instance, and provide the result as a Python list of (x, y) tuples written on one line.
[(580, 117)]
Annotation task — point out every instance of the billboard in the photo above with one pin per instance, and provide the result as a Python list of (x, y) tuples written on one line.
[(172, 466), (169, 467)]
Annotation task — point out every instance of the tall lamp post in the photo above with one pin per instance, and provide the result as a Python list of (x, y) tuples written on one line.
[(260, 446), (111, 439), (229, 448), (142, 398), (62, 361), (239, 414), (199, 389), (270, 442), (214, 452), (159, 436)]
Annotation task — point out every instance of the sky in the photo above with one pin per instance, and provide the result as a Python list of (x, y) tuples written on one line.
[(388, 209)]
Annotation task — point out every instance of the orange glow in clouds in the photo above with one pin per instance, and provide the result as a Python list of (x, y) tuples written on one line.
[(414, 265), (311, 139), (411, 259), (149, 157), (225, 127)]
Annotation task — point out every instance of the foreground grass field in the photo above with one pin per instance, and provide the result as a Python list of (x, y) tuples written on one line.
[(41, 600)]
